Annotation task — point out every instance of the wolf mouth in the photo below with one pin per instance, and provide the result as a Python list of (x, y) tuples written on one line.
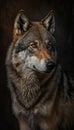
[(38, 70), (46, 71)]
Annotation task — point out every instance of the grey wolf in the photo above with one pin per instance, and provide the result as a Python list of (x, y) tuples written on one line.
[(42, 94)]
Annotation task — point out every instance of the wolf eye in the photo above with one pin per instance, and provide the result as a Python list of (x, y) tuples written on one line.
[(33, 45)]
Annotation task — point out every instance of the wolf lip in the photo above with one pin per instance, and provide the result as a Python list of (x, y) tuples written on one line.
[(34, 67), (38, 70)]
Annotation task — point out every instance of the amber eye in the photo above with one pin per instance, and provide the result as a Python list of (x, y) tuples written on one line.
[(33, 45)]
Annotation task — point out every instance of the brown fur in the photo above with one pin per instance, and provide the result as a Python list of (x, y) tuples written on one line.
[(15, 37)]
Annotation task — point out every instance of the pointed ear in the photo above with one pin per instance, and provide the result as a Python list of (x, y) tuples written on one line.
[(21, 23), (49, 22)]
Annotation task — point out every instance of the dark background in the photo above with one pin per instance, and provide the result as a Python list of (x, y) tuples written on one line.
[(35, 10)]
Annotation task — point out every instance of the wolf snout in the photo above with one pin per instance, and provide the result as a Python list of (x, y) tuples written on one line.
[(50, 65)]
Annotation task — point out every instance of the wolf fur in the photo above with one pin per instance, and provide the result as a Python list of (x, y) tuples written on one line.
[(42, 94)]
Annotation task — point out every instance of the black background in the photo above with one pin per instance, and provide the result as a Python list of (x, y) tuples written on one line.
[(35, 10)]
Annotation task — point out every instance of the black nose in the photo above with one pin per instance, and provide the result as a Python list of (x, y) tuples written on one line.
[(50, 65)]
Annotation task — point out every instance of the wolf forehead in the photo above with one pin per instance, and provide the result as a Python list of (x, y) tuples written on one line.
[(37, 32)]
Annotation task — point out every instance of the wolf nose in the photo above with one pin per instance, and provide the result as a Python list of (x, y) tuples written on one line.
[(50, 65)]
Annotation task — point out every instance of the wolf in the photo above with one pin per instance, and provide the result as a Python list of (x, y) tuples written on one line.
[(42, 93)]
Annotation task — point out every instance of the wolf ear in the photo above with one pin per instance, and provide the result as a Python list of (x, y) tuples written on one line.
[(21, 23), (49, 22)]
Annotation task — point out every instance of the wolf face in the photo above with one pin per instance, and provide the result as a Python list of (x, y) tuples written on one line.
[(34, 44)]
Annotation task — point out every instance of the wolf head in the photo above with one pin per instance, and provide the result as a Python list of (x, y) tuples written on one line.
[(34, 43)]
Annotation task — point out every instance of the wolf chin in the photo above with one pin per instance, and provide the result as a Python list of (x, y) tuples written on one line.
[(42, 94)]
